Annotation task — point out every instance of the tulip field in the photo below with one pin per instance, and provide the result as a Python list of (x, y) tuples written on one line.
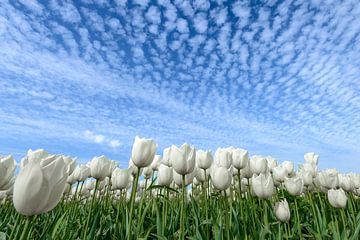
[(185, 193)]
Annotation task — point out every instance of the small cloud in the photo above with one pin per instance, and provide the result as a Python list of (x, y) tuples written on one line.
[(99, 138)]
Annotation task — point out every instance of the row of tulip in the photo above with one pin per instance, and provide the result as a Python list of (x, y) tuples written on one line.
[(182, 186)]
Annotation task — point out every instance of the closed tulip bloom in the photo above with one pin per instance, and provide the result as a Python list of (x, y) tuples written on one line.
[(307, 177), (156, 162), (221, 178), (143, 152), (147, 172), (201, 175), (262, 185), (282, 211), (345, 182), (246, 172), (81, 173), (120, 178), (258, 164), (183, 159), (240, 158), (99, 167), (337, 198), (178, 178), (113, 165), (204, 159), (288, 166), (165, 175), (328, 179), (279, 173), (271, 162), (7, 170), (309, 168), (311, 158), (33, 156), (39, 186), (355, 179), (294, 186), (166, 159), (223, 157)]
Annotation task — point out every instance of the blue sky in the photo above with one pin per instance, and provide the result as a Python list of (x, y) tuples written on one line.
[(85, 77)]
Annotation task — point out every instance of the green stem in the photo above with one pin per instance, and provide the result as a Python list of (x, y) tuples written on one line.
[(132, 200), (91, 208), (182, 235)]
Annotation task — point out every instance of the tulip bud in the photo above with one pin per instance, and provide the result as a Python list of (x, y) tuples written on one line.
[(282, 211), (288, 166), (294, 186), (337, 198), (99, 167), (311, 158), (143, 152), (40, 185), (345, 182), (204, 159), (258, 164), (240, 158), (183, 159), (262, 185), (81, 173), (166, 157), (165, 175), (223, 157), (7, 170), (221, 178), (156, 162), (279, 173), (120, 178)]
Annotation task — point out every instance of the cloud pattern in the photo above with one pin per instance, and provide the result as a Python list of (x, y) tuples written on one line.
[(274, 77)]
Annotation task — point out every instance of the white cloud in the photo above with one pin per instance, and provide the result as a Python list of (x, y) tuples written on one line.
[(101, 139)]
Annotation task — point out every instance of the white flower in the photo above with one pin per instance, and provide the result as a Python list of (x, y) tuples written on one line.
[(258, 164), (204, 159), (294, 185), (282, 211), (165, 175), (262, 185), (221, 178), (183, 159), (311, 158), (7, 170), (240, 158), (143, 152), (337, 198), (100, 167), (120, 178), (223, 157)]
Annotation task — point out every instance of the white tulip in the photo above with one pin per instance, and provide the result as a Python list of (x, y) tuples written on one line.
[(246, 172), (100, 167), (204, 159), (223, 157), (7, 171), (294, 185), (143, 152), (156, 162), (39, 186), (221, 178), (240, 158), (166, 159), (183, 159), (328, 178), (309, 168), (262, 185), (345, 182), (258, 164), (201, 174), (288, 166), (120, 178), (165, 175), (178, 178), (70, 164), (282, 211), (33, 156), (355, 179), (307, 177), (279, 173), (81, 173), (271, 163), (337, 198), (147, 172), (311, 158)]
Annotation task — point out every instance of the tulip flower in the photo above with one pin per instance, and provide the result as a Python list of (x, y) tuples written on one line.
[(166, 159), (279, 173), (33, 156), (328, 179), (307, 177), (282, 211), (7, 170), (337, 198), (309, 168), (262, 185), (165, 175), (100, 167), (143, 152), (178, 179), (39, 186), (70, 164), (240, 158), (147, 172), (183, 159), (201, 174), (355, 179), (294, 185), (156, 162), (246, 172), (311, 158), (288, 166), (345, 182), (271, 163), (120, 178), (223, 157), (221, 178), (81, 173), (204, 159), (258, 164)]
